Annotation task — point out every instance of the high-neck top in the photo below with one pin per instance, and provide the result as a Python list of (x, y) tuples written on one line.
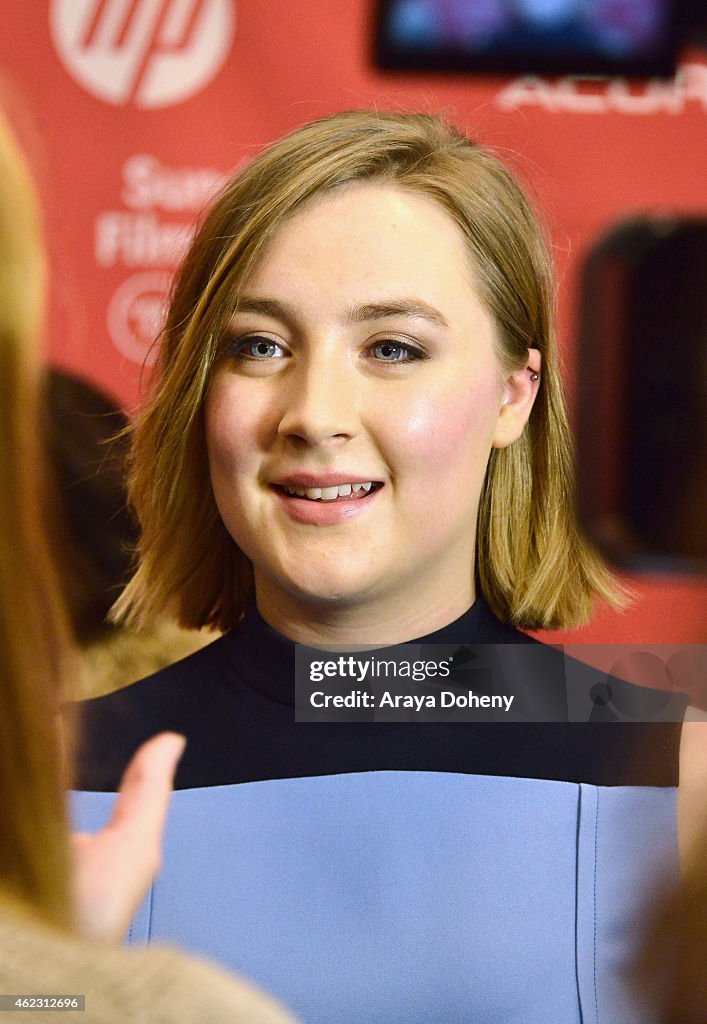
[(264, 659), (234, 701)]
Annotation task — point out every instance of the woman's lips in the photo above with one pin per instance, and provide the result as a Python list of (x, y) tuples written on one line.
[(326, 505)]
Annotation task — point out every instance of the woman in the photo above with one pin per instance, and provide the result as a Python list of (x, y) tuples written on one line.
[(62, 907), (358, 422)]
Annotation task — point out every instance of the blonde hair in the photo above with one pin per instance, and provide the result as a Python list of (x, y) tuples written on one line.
[(34, 861), (533, 565)]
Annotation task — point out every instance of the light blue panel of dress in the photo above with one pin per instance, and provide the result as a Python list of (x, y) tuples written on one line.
[(628, 856), (406, 897)]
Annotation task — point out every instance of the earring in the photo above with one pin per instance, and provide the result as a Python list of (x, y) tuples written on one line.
[(533, 374)]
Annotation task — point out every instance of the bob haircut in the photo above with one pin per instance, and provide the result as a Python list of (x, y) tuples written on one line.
[(532, 563)]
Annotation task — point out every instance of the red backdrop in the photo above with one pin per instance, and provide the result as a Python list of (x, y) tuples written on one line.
[(133, 110)]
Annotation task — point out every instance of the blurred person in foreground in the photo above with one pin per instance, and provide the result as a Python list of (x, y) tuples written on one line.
[(672, 974), (61, 904)]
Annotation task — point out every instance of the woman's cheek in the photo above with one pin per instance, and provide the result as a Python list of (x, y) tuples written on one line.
[(446, 426), (236, 425)]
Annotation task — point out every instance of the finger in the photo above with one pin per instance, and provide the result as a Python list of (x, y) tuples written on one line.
[(146, 786)]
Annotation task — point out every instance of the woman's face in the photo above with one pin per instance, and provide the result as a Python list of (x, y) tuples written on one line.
[(350, 420)]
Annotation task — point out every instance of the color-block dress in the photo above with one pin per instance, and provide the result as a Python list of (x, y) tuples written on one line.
[(385, 872)]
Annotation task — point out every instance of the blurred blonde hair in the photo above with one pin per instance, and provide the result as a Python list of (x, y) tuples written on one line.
[(33, 643), (533, 565)]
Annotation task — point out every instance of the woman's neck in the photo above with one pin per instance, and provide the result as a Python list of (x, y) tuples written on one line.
[(368, 624)]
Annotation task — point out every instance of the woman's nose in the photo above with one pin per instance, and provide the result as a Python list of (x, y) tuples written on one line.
[(321, 403)]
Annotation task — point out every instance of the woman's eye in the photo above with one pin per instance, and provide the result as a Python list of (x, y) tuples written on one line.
[(255, 347), (396, 352)]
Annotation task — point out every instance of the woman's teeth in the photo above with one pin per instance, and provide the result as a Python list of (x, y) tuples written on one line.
[(330, 493)]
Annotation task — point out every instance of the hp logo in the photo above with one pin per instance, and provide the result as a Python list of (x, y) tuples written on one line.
[(151, 53)]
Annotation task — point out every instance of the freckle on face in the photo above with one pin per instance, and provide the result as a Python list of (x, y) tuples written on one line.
[(423, 430)]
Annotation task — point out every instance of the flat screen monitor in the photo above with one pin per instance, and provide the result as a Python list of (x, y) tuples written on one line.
[(588, 37)]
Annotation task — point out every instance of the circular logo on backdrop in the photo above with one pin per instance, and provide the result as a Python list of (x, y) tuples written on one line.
[(136, 314), (151, 53)]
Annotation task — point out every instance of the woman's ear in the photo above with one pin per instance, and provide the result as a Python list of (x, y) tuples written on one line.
[(519, 393)]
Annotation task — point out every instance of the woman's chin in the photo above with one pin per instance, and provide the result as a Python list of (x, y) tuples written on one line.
[(325, 589), (329, 593)]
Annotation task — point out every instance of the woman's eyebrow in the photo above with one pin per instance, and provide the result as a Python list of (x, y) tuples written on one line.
[(266, 307), (409, 307), (396, 307)]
